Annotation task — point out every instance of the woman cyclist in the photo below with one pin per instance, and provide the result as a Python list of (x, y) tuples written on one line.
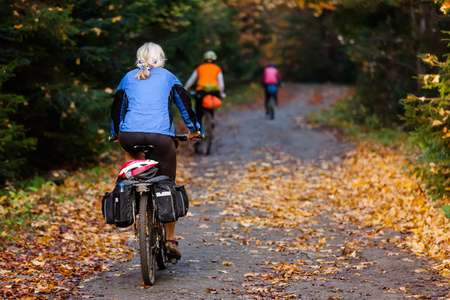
[(141, 115), (210, 81)]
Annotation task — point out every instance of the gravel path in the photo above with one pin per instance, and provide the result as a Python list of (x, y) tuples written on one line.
[(221, 257)]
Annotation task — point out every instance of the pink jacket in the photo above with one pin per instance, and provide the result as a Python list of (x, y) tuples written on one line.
[(271, 75)]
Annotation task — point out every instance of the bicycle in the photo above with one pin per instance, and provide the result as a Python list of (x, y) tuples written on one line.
[(207, 130), (270, 102), (204, 145), (149, 231)]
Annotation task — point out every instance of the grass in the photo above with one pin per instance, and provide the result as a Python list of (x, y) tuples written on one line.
[(357, 123), (242, 94)]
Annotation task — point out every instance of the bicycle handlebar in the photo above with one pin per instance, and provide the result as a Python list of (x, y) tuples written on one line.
[(178, 137), (183, 137)]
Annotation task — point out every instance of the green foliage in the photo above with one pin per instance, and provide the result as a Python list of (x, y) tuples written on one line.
[(355, 120), (14, 144), (35, 183), (383, 38), (15, 209), (310, 51), (59, 61), (210, 28), (242, 94), (428, 117), (96, 174), (446, 209)]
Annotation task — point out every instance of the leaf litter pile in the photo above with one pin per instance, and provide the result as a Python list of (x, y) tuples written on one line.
[(70, 241), (367, 189), (67, 242)]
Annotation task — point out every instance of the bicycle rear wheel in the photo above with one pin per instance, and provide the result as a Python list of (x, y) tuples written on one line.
[(207, 123), (147, 239), (271, 107)]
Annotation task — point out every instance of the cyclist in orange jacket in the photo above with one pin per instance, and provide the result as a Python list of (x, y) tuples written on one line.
[(209, 81)]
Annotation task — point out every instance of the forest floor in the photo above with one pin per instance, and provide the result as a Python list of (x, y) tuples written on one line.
[(280, 209)]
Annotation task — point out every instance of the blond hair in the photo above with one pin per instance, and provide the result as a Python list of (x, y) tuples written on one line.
[(149, 56)]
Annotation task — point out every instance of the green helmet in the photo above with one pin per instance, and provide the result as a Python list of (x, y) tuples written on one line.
[(209, 55)]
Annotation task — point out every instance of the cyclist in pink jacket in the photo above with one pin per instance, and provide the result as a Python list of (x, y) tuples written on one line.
[(271, 79)]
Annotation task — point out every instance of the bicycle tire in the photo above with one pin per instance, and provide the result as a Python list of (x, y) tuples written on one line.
[(161, 259), (208, 130), (271, 107), (147, 239)]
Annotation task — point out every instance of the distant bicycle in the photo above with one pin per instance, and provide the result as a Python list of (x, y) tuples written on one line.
[(271, 102), (210, 102)]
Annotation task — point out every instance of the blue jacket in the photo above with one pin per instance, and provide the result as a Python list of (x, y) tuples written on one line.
[(146, 105)]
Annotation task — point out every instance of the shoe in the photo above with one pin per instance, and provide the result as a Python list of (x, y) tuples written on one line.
[(172, 250)]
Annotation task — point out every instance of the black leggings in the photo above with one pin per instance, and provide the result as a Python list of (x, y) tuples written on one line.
[(165, 151)]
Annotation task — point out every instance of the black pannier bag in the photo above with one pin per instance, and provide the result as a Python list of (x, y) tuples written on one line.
[(108, 208), (182, 200), (118, 206), (171, 199)]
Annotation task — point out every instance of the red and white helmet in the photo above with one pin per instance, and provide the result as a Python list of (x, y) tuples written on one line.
[(139, 169)]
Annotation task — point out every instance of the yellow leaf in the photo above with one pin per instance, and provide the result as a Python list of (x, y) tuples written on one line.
[(116, 19), (18, 26), (436, 79), (445, 7), (38, 262), (445, 273), (436, 123), (69, 236), (98, 31)]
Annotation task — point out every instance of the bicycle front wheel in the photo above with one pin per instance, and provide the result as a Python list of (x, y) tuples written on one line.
[(161, 258), (207, 123), (147, 239)]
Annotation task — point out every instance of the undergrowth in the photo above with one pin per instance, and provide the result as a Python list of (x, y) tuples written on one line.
[(356, 124), (355, 121)]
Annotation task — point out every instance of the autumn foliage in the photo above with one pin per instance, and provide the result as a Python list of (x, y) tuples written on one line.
[(426, 114), (366, 190), (64, 240), (59, 65)]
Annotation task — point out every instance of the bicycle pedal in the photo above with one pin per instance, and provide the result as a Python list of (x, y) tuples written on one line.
[(173, 261)]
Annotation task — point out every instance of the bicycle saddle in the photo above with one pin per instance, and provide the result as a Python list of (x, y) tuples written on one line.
[(144, 148)]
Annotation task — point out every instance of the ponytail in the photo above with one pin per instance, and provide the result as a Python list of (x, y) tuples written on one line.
[(149, 55), (143, 73)]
